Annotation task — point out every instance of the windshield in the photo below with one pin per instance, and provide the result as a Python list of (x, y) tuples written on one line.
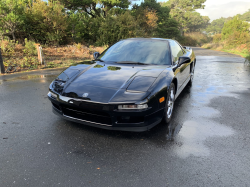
[(139, 50)]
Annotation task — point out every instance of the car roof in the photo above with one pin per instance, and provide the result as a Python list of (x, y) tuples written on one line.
[(148, 39)]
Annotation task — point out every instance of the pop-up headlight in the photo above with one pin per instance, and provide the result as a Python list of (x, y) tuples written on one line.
[(141, 84), (124, 107)]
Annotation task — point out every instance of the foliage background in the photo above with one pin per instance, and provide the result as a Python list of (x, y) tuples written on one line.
[(231, 34), (101, 22)]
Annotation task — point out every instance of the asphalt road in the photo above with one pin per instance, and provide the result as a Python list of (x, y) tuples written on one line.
[(207, 143)]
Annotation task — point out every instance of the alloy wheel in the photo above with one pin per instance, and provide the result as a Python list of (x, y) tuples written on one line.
[(170, 103)]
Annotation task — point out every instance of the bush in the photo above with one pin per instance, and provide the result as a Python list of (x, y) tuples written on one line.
[(29, 61), (234, 27), (217, 38), (217, 46), (30, 48), (195, 39), (8, 47), (50, 65), (113, 29), (237, 38)]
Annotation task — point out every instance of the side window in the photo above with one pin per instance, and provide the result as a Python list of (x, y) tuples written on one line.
[(176, 50)]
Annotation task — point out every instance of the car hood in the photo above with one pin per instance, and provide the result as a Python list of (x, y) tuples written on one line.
[(107, 82)]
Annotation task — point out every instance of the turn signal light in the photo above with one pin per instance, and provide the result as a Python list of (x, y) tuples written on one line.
[(162, 99)]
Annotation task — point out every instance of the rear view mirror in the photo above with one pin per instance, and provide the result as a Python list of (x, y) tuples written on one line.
[(96, 55), (183, 60)]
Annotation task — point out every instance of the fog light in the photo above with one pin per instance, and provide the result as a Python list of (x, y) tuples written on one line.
[(121, 107)]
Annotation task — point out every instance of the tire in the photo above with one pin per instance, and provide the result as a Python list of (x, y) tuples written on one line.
[(168, 112), (190, 83)]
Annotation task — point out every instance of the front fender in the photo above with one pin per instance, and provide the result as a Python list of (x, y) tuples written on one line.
[(160, 87)]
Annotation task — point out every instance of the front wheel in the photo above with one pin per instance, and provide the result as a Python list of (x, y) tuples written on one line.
[(190, 83), (169, 104)]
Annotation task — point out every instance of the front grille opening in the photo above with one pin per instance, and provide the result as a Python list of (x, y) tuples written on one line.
[(56, 106), (130, 119), (87, 116), (88, 108)]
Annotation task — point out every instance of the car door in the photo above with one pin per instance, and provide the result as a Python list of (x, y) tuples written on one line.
[(181, 72)]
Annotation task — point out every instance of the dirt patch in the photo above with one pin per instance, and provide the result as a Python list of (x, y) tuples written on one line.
[(63, 56)]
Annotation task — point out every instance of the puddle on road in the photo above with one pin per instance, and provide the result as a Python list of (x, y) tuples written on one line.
[(196, 120), (28, 77), (189, 137), (173, 130), (193, 135)]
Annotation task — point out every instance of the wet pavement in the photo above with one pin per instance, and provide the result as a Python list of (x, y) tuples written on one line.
[(206, 144)]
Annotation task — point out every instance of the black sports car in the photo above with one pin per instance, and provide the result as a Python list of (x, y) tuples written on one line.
[(131, 86)]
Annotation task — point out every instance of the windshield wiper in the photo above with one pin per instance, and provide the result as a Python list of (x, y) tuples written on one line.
[(99, 60), (131, 62)]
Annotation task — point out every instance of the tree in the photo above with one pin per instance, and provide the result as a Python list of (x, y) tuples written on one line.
[(115, 28), (11, 16), (166, 26), (146, 20), (196, 22), (245, 16), (77, 27), (96, 8), (217, 25), (180, 10), (46, 22)]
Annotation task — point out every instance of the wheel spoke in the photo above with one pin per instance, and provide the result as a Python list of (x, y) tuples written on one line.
[(170, 103)]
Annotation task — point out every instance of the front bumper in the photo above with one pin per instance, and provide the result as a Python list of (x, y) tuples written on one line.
[(106, 116)]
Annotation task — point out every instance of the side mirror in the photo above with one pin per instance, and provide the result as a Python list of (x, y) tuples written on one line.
[(96, 55), (183, 60)]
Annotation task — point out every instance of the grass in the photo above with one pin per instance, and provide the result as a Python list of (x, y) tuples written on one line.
[(242, 50), (244, 54)]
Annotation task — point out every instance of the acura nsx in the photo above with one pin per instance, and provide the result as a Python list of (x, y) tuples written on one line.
[(131, 86)]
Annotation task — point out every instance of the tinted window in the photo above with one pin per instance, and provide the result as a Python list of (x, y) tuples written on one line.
[(176, 50), (139, 50)]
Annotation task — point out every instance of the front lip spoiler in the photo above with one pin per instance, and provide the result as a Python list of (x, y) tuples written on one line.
[(104, 126), (86, 121)]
